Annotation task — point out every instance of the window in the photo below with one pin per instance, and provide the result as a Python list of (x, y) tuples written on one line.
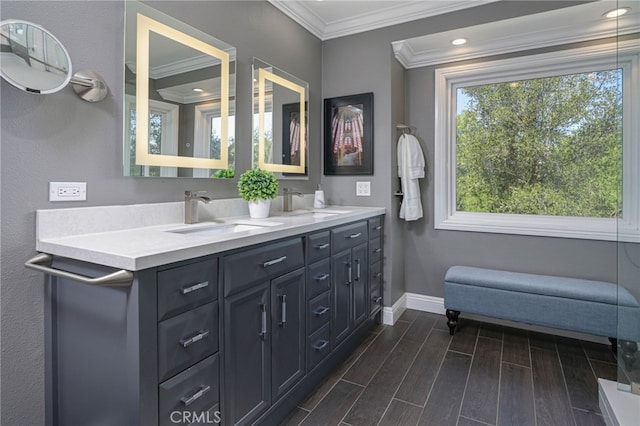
[(163, 136), (207, 135), (533, 145)]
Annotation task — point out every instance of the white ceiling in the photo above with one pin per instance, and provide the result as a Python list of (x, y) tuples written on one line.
[(561, 26), (328, 19)]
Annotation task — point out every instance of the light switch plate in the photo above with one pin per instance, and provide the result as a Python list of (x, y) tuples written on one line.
[(363, 189), (67, 191)]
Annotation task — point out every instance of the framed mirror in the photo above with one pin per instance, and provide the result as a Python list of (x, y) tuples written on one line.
[(179, 98), (280, 122), (32, 59)]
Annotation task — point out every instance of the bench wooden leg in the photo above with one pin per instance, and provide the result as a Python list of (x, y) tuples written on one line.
[(628, 349), (452, 320)]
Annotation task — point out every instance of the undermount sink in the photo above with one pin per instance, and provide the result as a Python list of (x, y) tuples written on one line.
[(223, 228)]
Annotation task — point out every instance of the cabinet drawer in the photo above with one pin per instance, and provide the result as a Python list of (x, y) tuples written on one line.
[(318, 246), (318, 278), (319, 346), (244, 268), (186, 287), (319, 312), (186, 339), (194, 390), (375, 250), (375, 227), (348, 236)]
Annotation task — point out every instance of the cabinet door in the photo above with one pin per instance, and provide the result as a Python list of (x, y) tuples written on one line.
[(288, 331), (247, 355), (341, 279), (360, 284)]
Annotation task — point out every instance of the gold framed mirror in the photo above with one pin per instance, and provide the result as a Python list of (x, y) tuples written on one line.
[(179, 98), (280, 121)]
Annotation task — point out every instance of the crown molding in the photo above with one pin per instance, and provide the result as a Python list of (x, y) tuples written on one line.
[(491, 39), (300, 12)]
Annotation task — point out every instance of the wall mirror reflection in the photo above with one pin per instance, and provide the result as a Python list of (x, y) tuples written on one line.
[(280, 121), (179, 98)]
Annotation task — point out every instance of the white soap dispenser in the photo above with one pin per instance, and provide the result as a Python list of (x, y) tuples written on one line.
[(318, 200)]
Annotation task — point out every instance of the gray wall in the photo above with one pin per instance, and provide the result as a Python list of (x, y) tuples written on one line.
[(59, 137), (416, 255)]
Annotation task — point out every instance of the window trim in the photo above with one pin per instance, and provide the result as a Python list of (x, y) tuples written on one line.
[(447, 79)]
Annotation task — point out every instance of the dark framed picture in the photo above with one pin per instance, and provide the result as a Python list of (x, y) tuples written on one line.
[(348, 135), (291, 136)]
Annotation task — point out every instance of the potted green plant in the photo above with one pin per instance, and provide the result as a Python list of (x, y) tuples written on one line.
[(258, 187)]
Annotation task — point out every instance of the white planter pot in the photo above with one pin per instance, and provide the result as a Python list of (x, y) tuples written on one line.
[(259, 209)]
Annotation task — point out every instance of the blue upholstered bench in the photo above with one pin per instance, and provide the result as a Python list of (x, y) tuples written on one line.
[(593, 307)]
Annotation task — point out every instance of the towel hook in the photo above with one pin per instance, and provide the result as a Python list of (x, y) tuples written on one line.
[(405, 128)]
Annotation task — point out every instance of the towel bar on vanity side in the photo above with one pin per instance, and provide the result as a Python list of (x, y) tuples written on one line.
[(42, 262)]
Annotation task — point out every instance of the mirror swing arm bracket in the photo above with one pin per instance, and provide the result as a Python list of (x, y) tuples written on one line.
[(89, 85)]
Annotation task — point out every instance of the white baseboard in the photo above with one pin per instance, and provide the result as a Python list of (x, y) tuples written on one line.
[(435, 305), (390, 314), (419, 302)]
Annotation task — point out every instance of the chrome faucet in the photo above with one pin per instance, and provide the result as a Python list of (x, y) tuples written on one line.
[(191, 199), (287, 197)]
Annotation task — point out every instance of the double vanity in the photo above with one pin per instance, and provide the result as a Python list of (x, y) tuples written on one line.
[(231, 320)]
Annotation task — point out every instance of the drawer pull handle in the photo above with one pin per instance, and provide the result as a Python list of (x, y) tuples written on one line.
[(377, 228), (321, 277), (378, 250), (320, 345), (349, 269), (357, 261), (191, 340), (283, 302), (354, 235), (187, 290), (191, 399), (377, 299), (322, 246), (321, 310), (274, 261), (263, 316)]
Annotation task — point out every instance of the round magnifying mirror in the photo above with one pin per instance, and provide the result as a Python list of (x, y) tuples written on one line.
[(32, 59)]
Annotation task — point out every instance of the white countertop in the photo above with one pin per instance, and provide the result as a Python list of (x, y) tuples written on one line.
[(140, 247)]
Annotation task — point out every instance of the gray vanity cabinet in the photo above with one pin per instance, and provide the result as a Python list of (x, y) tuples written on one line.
[(264, 327), (349, 276), (288, 332), (242, 336), (247, 348)]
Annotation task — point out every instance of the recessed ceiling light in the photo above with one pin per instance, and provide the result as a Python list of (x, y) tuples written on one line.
[(616, 12), (197, 89), (459, 41)]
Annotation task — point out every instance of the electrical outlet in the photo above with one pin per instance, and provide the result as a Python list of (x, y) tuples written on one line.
[(67, 191), (363, 189)]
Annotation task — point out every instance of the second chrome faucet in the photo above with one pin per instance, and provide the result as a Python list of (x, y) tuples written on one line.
[(287, 198), (191, 199)]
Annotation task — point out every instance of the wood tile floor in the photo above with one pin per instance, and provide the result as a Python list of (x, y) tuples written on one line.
[(414, 373)]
